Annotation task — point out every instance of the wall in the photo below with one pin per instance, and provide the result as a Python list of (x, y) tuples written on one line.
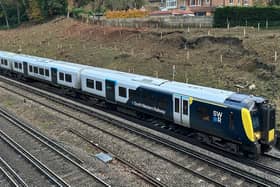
[(165, 22)]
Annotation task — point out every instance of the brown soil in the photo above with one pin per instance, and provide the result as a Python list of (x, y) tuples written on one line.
[(196, 54)]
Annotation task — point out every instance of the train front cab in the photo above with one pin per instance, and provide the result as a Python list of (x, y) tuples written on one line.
[(259, 127), (263, 122)]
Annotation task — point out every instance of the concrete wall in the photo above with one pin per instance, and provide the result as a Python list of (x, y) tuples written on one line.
[(164, 22)]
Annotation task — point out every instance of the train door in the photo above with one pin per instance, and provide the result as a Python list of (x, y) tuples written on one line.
[(25, 68), (54, 75), (181, 114), (110, 90)]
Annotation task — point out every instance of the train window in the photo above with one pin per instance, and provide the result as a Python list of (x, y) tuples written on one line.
[(35, 69), (30, 69), (41, 71), (177, 105), (61, 76), (203, 114), (99, 85), (90, 83), (2, 61), (162, 103), (19, 65), (185, 107), (68, 78), (231, 120), (122, 92), (6, 62), (47, 72), (16, 65)]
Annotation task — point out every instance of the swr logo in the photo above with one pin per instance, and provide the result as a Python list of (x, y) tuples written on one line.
[(217, 116)]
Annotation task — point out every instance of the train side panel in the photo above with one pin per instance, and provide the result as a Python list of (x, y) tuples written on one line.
[(218, 120)]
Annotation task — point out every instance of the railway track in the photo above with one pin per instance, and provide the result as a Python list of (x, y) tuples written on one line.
[(8, 176), (248, 177), (139, 171), (52, 162), (29, 168)]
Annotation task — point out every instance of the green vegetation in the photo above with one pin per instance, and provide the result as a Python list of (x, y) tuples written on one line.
[(91, 7), (247, 16), (13, 12)]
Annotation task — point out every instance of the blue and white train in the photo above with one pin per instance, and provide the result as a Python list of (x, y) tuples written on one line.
[(231, 121)]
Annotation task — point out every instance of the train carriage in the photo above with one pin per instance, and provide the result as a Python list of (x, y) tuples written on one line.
[(230, 121), (66, 75), (6, 61)]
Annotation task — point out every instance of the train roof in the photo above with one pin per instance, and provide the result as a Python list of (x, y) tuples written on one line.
[(200, 92), (123, 76), (5, 54)]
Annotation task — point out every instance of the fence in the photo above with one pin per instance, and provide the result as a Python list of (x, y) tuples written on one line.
[(162, 22)]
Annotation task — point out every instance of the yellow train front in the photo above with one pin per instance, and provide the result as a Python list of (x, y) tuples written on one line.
[(243, 124)]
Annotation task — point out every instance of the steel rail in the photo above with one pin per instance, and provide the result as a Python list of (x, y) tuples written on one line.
[(140, 173), (35, 162), (13, 173), (21, 125)]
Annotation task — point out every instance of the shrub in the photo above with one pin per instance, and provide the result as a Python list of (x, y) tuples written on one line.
[(126, 14), (247, 16)]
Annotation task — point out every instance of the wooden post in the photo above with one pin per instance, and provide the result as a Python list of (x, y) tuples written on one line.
[(221, 59), (266, 24), (228, 26), (244, 32), (188, 55), (258, 27), (173, 72), (156, 74), (188, 29), (275, 56), (186, 77), (161, 35)]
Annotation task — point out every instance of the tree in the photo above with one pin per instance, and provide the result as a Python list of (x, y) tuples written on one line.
[(123, 4), (56, 7), (4, 13), (17, 4), (34, 11), (274, 2)]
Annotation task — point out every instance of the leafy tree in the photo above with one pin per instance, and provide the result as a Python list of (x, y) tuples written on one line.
[(4, 13), (34, 11), (274, 2)]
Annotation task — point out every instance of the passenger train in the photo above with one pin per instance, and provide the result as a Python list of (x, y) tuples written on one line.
[(231, 121)]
